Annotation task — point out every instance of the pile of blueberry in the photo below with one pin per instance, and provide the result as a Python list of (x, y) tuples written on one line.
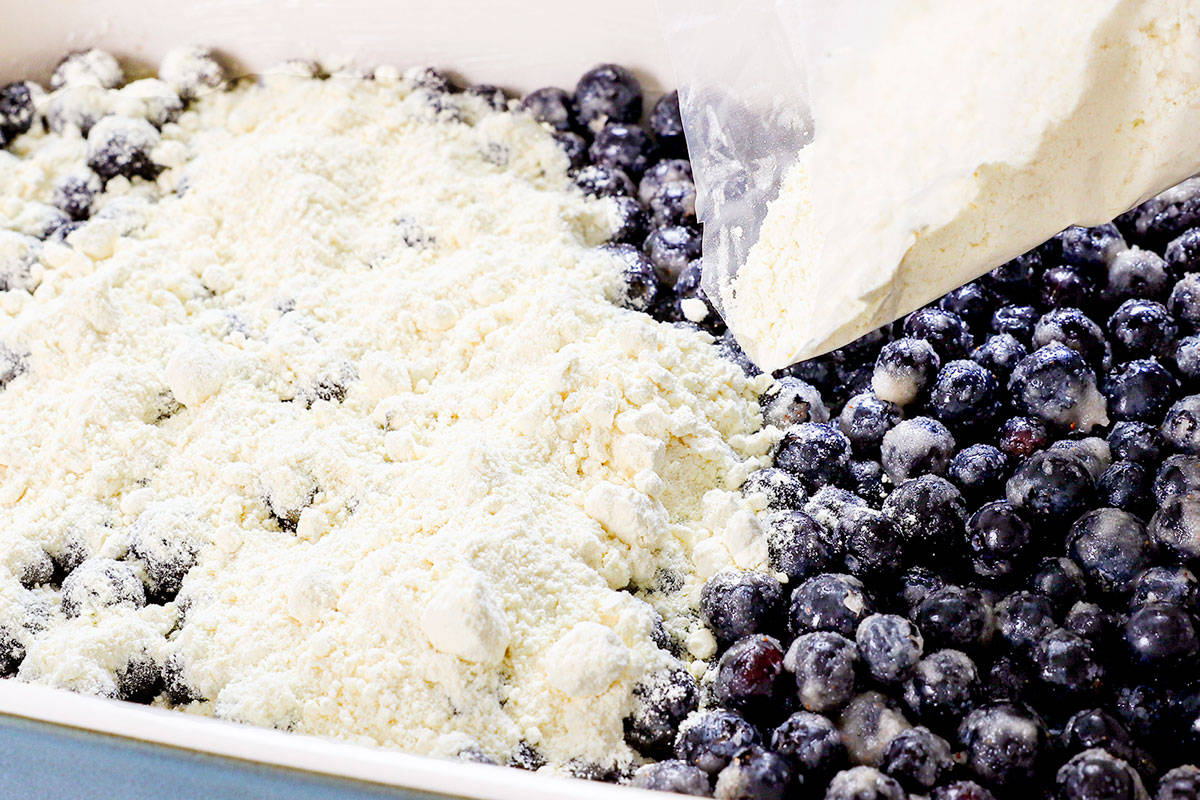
[(982, 519)]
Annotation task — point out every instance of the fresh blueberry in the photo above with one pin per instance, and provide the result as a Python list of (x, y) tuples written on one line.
[(668, 191), (671, 248), (816, 453), (979, 471), (1177, 474), (999, 354), (639, 280), (754, 774), (631, 222), (798, 545), (1091, 451), (1017, 321), (1061, 580), (930, 514), (947, 332), (1159, 219), (916, 446), (918, 758), (963, 394), (1020, 437), (607, 93), (958, 617), (781, 489), (1023, 618), (828, 506), (1181, 425), (1142, 328), (864, 783), (1175, 585), (1008, 679), (943, 688), (973, 302), (1136, 273), (122, 146), (672, 776), (1161, 637), (812, 742), (890, 647), (735, 604), (599, 181), (874, 547), (825, 665), (870, 482), (1182, 253), (1090, 247), (1073, 328), (1095, 727), (1135, 441), (101, 582), (1112, 547), (1139, 390), (1184, 302), (140, 679), (667, 123), (1144, 709), (16, 111), (790, 401), (1066, 665), (1125, 485), (709, 739), (748, 672), (1066, 287), (660, 703), (1056, 385), (829, 602), (998, 539), (691, 302), (1181, 783), (916, 584), (1186, 357), (551, 106), (903, 369), (1050, 486), (1097, 775), (1003, 743), (1093, 623), (575, 148), (868, 723), (1015, 279), (623, 146)]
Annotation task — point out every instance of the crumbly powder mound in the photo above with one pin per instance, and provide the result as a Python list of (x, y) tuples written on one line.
[(356, 346)]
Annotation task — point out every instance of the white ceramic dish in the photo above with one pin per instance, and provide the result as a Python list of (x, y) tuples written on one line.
[(518, 44)]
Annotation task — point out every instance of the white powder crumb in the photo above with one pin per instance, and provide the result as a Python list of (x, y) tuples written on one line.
[(464, 618), (587, 660)]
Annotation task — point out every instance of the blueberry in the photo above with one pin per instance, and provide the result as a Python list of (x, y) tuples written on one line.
[(916, 446), (122, 146), (1020, 437), (1061, 580), (864, 783), (623, 146), (1017, 321), (525, 756), (709, 739), (1014, 279), (1162, 217), (999, 354), (1112, 547), (1091, 451), (961, 790), (671, 248), (890, 647), (1054, 384), (666, 171), (16, 111), (735, 604), (748, 672), (870, 482), (1073, 328), (916, 584), (873, 543), (176, 686), (930, 514), (639, 280), (1181, 783), (1144, 709), (35, 569), (1093, 623), (947, 332), (101, 582), (979, 471), (754, 774), (607, 93), (1176, 585), (825, 666), (1063, 287), (1023, 618), (1186, 357), (661, 702), (75, 193), (918, 758), (1002, 743), (812, 742), (1161, 637), (1184, 302), (829, 602), (1177, 474), (668, 191), (903, 369), (667, 123), (1090, 247), (973, 302), (864, 350), (692, 303), (943, 688), (88, 68), (1095, 727), (963, 394), (781, 489), (1139, 390), (1066, 665), (1142, 328), (165, 551), (672, 776), (791, 401), (1135, 441), (868, 723), (1136, 273), (817, 371), (493, 96), (1097, 775), (191, 71), (1008, 679), (1125, 485), (1181, 425), (956, 616), (1050, 486), (139, 680), (631, 222), (816, 453), (600, 181), (575, 148), (1183, 252), (551, 106), (828, 506)]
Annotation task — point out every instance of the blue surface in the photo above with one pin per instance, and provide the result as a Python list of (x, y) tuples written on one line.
[(40, 761)]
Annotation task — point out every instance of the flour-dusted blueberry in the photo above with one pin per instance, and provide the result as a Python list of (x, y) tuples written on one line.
[(122, 146), (430, 79), (1066, 287), (1017, 321), (1184, 302), (1061, 580), (868, 723), (667, 123), (1056, 385), (816, 453), (1139, 390), (660, 703), (1135, 441), (799, 546), (1091, 451), (1186, 357), (916, 584), (958, 617), (623, 146), (791, 401), (631, 224), (551, 106), (812, 742), (191, 71), (870, 482), (672, 775), (961, 790), (850, 379), (1112, 547), (607, 93), (12, 651), (1136, 273), (825, 665), (1125, 485), (1016, 279), (1182, 253), (864, 783), (672, 248), (748, 672), (1162, 637), (597, 180), (943, 687), (918, 758), (1020, 437), (1176, 585), (1177, 474), (493, 96), (973, 302), (1098, 775), (865, 419), (88, 68), (1181, 783), (947, 332), (691, 303), (780, 488), (1091, 247), (929, 512), (98, 583), (963, 394), (526, 756), (979, 471), (1008, 679), (1073, 328), (1050, 486), (668, 170), (668, 191), (735, 604), (1142, 328), (828, 506), (140, 679), (75, 193), (1094, 623), (890, 647), (916, 446), (35, 568), (999, 354), (709, 739), (1066, 666), (17, 110), (1181, 425), (1003, 743), (1023, 618), (575, 148), (754, 774), (1164, 216), (903, 369), (640, 285), (166, 551), (1144, 708), (874, 546), (830, 602)]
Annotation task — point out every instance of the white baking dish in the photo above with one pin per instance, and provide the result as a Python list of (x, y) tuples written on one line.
[(513, 43)]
